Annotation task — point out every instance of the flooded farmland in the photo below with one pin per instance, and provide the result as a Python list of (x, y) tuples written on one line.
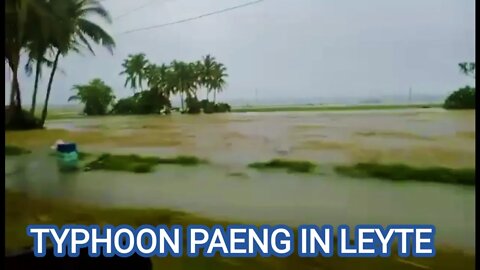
[(227, 188)]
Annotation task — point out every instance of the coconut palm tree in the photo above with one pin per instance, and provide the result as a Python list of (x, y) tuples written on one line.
[(135, 67), (183, 79), (22, 19), (74, 31), (218, 82), (156, 77), (207, 69), (37, 57)]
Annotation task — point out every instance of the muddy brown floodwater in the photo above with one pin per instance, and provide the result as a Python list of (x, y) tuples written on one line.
[(226, 188)]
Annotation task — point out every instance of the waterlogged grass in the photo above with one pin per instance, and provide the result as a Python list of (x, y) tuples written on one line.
[(22, 210), (290, 165), (138, 164), (11, 150), (181, 160), (401, 172), (301, 108)]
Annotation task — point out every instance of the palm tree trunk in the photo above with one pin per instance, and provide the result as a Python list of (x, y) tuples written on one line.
[(181, 99), (49, 88), (15, 100), (214, 96), (16, 86), (35, 88)]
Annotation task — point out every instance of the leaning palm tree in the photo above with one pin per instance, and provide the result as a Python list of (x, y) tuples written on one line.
[(22, 19), (218, 82), (37, 56), (76, 30), (135, 67)]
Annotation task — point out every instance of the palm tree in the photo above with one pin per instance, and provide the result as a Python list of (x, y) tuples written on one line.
[(183, 79), (156, 77), (22, 19), (74, 31), (37, 56), (135, 67), (218, 82), (207, 69)]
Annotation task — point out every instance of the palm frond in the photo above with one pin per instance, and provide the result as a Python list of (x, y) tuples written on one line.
[(97, 34)]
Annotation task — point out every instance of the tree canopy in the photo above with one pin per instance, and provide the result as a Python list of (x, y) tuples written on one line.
[(96, 95)]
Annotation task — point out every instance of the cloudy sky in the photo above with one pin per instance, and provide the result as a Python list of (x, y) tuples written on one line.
[(290, 48)]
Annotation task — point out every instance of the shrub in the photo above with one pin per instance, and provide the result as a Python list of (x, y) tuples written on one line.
[(193, 105), (20, 120), (463, 98), (125, 106), (146, 102), (207, 106), (222, 107), (290, 165), (11, 150), (96, 95)]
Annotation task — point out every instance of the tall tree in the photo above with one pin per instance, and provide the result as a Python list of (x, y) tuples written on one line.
[(156, 77), (207, 69), (219, 79), (76, 30), (38, 58), (135, 67), (183, 79), (20, 18)]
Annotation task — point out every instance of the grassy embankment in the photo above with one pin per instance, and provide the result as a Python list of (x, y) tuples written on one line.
[(22, 210)]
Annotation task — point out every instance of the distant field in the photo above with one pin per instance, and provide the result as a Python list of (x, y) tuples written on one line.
[(332, 107)]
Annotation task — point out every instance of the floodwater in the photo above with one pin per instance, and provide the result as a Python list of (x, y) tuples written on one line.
[(226, 189)]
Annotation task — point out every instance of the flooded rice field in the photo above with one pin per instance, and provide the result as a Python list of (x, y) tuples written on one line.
[(225, 188)]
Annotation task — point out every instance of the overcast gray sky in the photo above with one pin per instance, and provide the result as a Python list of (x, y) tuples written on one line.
[(290, 48)]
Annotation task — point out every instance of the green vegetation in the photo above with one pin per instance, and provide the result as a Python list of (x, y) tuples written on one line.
[(181, 160), (11, 150), (289, 165), (33, 26), (301, 108), (96, 95), (467, 68), (22, 210), (137, 164), (400, 172), (463, 98), (177, 78), (130, 163)]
